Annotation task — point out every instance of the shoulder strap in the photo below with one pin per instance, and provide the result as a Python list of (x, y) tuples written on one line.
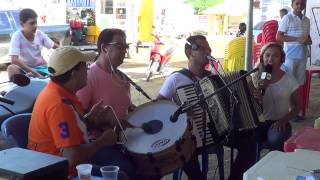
[(138, 88), (187, 73)]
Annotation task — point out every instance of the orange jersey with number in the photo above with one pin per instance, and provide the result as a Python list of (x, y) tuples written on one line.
[(55, 124)]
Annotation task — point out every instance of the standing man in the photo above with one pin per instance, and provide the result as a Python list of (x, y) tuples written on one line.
[(294, 32), (59, 126), (197, 49), (26, 45), (283, 12)]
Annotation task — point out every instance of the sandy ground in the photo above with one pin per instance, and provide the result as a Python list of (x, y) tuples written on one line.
[(136, 69)]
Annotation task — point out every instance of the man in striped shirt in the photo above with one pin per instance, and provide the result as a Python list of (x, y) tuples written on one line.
[(294, 31)]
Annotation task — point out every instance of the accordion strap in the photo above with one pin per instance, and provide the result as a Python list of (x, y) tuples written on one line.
[(189, 74)]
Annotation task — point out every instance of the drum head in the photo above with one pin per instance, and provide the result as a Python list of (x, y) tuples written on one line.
[(141, 142)]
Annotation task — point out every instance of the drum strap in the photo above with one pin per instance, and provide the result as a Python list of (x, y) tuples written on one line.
[(138, 88)]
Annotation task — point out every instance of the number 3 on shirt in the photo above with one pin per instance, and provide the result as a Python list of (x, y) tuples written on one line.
[(65, 133)]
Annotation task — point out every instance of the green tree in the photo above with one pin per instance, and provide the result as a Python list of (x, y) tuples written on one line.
[(200, 5)]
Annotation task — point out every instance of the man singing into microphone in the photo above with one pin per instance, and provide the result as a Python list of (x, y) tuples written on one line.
[(278, 95), (198, 52)]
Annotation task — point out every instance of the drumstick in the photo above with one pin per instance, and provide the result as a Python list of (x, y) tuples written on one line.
[(117, 121), (151, 127), (145, 127)]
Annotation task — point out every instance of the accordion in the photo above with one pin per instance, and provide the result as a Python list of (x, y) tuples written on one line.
[(246, 113), (219, 120), (216, 124)]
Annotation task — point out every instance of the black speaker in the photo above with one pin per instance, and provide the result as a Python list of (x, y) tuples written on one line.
[(18, 163)]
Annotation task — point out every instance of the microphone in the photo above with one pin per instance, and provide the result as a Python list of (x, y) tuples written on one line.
[(7, 101), (19, 79), (266, 75), (211, 58), (175, 116)]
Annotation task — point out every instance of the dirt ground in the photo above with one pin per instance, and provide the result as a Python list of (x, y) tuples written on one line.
[(136, 69)]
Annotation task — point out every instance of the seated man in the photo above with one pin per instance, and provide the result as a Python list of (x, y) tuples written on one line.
[(197, 50), (26, 45), (58, 125)]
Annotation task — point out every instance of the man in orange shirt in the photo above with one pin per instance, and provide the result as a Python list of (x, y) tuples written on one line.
[(58, 125)]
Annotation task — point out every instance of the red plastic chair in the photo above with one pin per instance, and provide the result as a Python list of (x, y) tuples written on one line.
[(256, 53), (269, 31), (305, 92)]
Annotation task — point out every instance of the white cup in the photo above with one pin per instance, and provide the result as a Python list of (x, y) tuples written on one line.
[(317, 123), (109, 172), (84, 171)]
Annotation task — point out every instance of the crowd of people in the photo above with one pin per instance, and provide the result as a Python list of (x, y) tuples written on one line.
[(77, 114)]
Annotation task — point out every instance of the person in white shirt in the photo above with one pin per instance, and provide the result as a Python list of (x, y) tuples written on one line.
[(197, 50), (279, 97), (294, 32), (26, 45)]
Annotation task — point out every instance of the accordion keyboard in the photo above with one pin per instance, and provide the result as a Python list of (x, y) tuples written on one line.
[(188, 94)]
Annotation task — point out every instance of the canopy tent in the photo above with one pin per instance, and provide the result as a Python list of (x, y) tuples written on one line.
[(81, 3)]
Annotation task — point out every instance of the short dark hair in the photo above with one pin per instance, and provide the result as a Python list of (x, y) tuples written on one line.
[(26, 14), (107, 35), (65, 77), (284, 10), (292, 1), (192, 40)]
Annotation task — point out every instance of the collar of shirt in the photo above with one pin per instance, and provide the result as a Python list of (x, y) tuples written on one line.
[(303, 16), (65, 93)]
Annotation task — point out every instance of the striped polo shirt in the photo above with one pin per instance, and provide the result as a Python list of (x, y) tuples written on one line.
[(293, 25)]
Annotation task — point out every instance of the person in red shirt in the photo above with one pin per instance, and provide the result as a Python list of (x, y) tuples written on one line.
[(58, 124)]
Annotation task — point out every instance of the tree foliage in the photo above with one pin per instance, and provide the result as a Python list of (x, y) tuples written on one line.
[(200, 5)]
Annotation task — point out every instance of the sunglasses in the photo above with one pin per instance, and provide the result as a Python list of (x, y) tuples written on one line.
[(120, 46)]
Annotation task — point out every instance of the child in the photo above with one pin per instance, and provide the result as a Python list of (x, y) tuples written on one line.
[(280, 99), (25, 47)]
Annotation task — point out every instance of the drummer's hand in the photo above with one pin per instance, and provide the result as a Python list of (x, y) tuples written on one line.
[(108, 138), (131, 107), (98, 114)]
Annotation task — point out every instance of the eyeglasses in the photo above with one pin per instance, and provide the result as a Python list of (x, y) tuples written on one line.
[(119, 45)]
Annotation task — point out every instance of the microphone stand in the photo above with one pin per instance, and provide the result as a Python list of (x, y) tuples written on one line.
[(234, 102), (138, 88)]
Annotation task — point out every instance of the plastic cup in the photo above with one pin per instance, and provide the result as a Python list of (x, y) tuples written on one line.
[(109, 172), (84, 171), (317, 123)]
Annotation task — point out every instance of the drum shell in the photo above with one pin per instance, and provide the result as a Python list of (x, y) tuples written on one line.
[(168, 160)]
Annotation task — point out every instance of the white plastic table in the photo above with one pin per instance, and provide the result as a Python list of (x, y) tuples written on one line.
[(278, 165)]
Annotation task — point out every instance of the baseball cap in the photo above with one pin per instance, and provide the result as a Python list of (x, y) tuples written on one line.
[(64, 59)]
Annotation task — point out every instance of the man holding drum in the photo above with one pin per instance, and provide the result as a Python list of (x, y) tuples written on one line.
[(107, 83), (197, 50)]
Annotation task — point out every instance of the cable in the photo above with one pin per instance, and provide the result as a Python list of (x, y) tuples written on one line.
[(215, 171), (118, 121)]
